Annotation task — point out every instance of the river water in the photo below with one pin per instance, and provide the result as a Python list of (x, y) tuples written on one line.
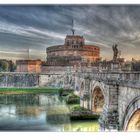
[(39, 112)]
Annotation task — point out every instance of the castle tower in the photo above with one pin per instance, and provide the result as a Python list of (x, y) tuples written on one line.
[(74, 41)]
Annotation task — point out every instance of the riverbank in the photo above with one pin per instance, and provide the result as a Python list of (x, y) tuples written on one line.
[(76, 111), (28, 90)]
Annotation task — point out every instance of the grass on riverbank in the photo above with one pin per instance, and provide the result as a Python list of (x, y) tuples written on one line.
[(79, 113), (28, 90)]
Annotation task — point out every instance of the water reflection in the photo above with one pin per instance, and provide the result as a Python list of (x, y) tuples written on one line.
[(38, 112)]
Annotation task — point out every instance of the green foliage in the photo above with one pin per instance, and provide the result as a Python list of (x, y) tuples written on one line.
[(28, 90), (78, 108), (85, 117), (72, 95), (72, 106), (71, 98), (3, 66), (6, 65), (80, 113), (60, 91)]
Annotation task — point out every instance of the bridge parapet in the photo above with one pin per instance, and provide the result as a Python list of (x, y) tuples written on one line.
[(131, 79)]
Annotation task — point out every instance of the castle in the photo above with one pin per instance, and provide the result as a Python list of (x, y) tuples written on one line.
[(74, 52)]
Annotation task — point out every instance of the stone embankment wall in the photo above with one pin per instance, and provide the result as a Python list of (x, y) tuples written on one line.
[(30, 80), (51, 80), (19, 80)]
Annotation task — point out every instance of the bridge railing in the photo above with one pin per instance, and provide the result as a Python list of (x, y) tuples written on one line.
[(129, 78)]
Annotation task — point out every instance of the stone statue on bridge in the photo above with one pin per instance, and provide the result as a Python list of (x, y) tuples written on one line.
[(115, 52)]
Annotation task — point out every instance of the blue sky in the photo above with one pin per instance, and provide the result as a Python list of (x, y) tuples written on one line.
[(40, 26)]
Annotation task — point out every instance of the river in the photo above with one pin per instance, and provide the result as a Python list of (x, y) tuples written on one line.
[(39, 112)]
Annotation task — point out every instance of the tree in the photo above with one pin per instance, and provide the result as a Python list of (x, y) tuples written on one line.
[(7, 65), (3, 65)]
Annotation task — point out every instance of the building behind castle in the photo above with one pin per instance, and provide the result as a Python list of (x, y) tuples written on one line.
[(33, 66)]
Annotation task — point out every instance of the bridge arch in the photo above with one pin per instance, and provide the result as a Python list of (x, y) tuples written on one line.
[(131, 119), (97, 97)]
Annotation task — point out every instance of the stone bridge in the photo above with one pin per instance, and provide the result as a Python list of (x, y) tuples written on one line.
[(115, 95)]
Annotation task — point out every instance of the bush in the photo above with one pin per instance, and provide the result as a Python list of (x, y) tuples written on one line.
[(85, 117), (80, 113), (78, 108), (72, 99), (60, 91), (72, 95)]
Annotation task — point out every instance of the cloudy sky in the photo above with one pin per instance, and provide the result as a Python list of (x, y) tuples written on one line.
[(37, 27)]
